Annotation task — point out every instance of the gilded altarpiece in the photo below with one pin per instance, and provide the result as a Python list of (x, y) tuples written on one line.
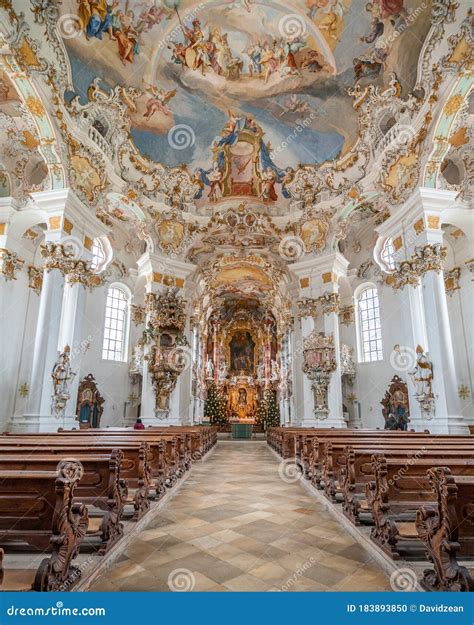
[(243, 354)]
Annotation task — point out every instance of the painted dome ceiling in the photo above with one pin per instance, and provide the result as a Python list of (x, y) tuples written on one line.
[(263, 128), (208, 71)]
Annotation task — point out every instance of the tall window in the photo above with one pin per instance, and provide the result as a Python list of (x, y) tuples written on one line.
[(116, 325), (370, 333), (98, 255), (387, 255)]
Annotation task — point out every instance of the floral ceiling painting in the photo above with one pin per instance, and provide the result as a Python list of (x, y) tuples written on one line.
[(278, 65)]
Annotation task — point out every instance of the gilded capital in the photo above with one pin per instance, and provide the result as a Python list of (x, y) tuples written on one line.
[(329, 303), (307, 307), (57, 256), (429, 257), (10, 263)]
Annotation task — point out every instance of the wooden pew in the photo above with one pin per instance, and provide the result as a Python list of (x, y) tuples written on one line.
[(357, 470), (323, 447), (38, 508), (447, 531), (100, 485), (167, 455), (394, 501), (202, 438), (135, 467), (334, 454)]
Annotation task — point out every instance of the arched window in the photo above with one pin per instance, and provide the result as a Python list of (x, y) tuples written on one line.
[(387, 255), (369, 328), (101, 254), (116, 324)]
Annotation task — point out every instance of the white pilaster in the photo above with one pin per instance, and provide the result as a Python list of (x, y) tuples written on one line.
[(448, 417)]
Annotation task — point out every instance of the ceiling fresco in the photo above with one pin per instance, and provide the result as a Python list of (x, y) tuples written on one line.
[(240, 136), (278, 65)]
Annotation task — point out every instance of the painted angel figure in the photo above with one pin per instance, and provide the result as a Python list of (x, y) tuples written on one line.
[(294, 104), (215, 183), (269, 180), (151, 16), (158, 101)]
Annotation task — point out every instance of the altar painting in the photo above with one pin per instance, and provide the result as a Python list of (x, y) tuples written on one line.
[(242, 353)]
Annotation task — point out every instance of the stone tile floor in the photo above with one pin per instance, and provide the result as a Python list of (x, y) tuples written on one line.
[(236, 525)]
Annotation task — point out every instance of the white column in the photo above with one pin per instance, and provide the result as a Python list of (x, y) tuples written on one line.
[(45, 351), (413, 334), (71, 333), (448, 417)]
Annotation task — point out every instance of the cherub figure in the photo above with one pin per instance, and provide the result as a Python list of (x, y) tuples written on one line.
[(158, 101)]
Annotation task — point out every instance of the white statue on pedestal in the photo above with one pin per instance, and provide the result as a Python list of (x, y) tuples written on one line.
[(222, 371), (275, 374), (209, 369), (422, 377), (62, 376)]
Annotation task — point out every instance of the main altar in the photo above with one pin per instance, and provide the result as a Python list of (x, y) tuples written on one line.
[(241, 364)]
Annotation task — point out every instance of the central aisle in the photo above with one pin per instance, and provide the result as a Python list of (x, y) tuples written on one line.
[(235, 524)]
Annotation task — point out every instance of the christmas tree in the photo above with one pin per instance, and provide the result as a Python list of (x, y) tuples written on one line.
[(214, 406), (268, 411)]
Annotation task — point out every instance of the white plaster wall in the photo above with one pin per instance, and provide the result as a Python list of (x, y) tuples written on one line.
[(14, 297)]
